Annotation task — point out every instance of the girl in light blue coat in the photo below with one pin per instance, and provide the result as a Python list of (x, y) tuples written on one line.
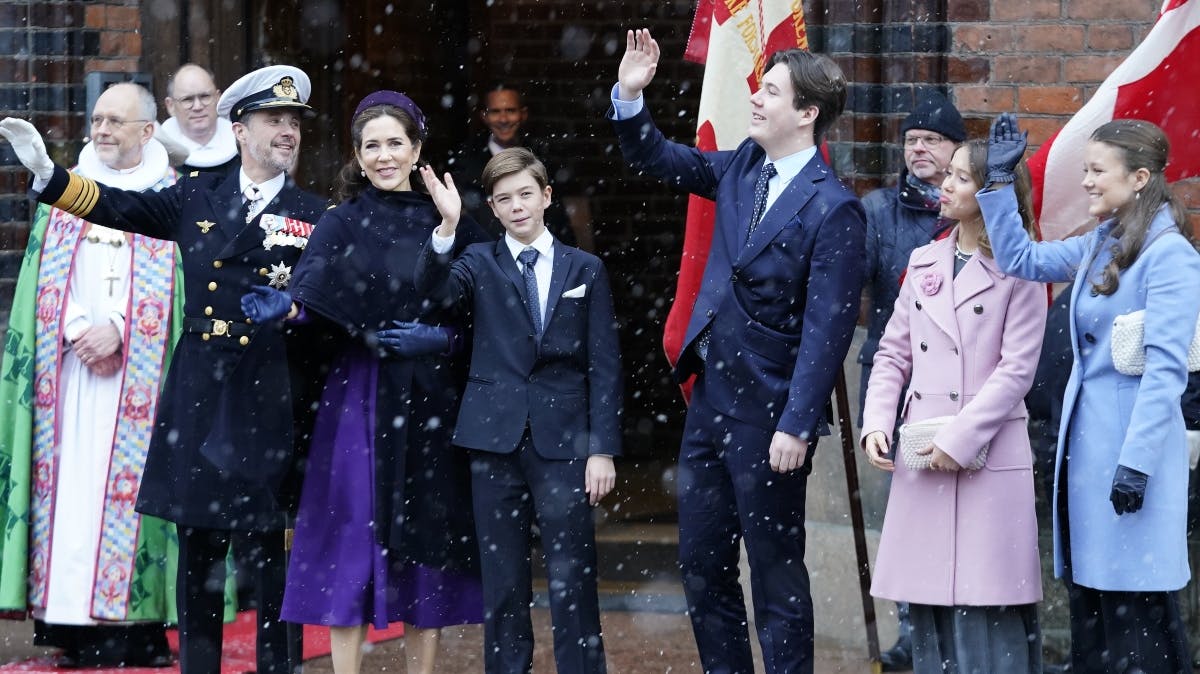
[(1120, 484)]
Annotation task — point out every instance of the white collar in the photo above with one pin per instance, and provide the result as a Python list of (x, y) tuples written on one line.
[(791, 165), (269, 188), (544, 244), (219, 149), (141, 177)]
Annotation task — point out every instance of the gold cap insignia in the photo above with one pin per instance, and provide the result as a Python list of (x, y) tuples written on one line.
[(286, 89), (205, 225)]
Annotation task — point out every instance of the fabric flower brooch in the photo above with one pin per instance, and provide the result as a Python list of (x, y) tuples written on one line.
[(931, 283)]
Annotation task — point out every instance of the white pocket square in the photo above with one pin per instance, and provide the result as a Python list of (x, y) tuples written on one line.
[(575, 293)]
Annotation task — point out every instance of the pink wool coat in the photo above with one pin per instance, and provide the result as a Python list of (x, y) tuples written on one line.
[(968, 347)]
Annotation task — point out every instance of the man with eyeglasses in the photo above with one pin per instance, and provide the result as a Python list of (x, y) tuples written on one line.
[(88, 341), (192, 97), (504, 114), (222, 460), (900, 219)]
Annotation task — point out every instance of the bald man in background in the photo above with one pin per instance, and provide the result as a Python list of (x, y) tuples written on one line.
[(206, 139)]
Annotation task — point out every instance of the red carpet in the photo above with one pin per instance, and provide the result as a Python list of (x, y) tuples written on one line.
[(237, 656)]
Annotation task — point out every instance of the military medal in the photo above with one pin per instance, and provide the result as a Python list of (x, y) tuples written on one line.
[(281, 231), (280, 276)]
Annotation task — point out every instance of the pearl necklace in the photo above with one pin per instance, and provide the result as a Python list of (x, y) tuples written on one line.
[(960, 254)]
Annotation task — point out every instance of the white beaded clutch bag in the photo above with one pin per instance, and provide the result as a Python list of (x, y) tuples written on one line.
[(919, 435), (1129, 344)]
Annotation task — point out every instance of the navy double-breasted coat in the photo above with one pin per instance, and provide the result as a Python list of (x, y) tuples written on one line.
[(221, 456)]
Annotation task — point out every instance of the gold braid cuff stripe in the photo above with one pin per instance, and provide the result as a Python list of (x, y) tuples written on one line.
[(80, 196)]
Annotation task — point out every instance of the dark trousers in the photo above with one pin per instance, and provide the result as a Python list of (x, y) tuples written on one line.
[(107, 645), (201, 598), (510, 492), (1119, 632), (727, 493)]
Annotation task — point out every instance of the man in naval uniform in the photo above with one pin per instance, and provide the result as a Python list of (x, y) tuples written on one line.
[(221, 454)]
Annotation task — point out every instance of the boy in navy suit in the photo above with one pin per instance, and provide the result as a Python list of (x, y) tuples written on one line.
[(770, 326), (541, 411)]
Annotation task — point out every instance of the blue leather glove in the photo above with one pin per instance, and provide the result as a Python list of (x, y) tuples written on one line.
[(1006, 146), (412, 339), (264, 304), (1128, 490)]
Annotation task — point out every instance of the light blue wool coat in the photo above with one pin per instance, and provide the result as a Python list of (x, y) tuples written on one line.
[(1110, 418)]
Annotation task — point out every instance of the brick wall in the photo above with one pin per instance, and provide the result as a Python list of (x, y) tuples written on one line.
[(46, 48), (1042, 58)]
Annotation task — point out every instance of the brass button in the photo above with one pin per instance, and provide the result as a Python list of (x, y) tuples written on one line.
[(208, 311), (243, 340), (978, 308), (212, 285), (262, 271), (954, 395), (217, 264), (204, 336)]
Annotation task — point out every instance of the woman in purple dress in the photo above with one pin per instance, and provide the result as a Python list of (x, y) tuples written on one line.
[(382, 534)]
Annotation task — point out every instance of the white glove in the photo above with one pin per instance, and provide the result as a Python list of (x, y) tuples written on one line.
[(27, 143)]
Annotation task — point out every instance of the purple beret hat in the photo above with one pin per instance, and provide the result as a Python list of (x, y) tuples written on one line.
[(388, 97)]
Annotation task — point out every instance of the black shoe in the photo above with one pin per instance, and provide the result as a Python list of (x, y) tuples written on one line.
[(898, 658)]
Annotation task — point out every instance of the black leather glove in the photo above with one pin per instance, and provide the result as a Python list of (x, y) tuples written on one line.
[(264, 304), (411, 339), (1006, 146), (1128, 490)]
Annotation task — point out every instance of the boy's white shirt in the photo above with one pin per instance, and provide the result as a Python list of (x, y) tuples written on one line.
[(542, 268)]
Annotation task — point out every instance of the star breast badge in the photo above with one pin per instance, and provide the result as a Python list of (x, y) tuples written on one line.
[(280, 275), (205, 225)]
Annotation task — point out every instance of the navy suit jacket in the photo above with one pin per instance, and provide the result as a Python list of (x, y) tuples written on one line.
[(567, 386), (781, 306)]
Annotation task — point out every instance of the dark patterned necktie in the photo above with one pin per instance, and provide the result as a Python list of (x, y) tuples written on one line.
[(527, 257), (760, 194)]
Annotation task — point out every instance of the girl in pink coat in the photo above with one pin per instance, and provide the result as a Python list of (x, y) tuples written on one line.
[(960, 543)]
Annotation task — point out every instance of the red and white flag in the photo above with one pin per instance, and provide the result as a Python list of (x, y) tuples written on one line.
[(733, 39), (1158, 82)]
